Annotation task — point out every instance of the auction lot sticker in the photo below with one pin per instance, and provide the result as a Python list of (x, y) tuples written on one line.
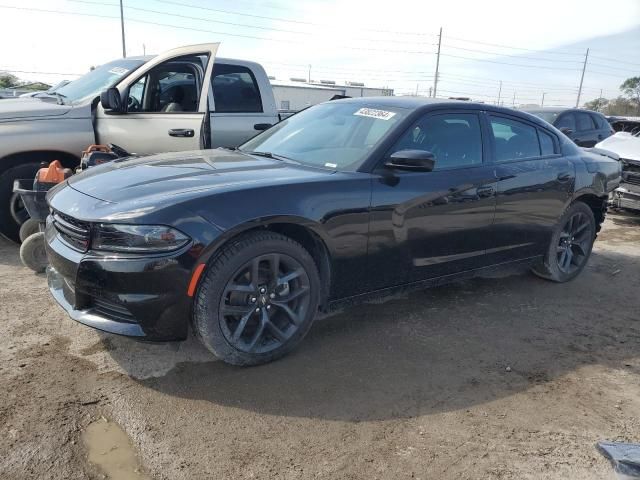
[(373, 113)]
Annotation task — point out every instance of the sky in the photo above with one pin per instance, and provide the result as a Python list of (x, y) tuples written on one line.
[(533, 47)]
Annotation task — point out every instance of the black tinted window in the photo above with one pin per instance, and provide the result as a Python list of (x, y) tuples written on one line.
[(235, 89), (584, 122), (514, 140), (546, 143), (454, 139), (566, 120), (600, 121)]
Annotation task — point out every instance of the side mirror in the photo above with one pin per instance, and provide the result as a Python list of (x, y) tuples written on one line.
[(566, 130), (413, 160), (111, 100)]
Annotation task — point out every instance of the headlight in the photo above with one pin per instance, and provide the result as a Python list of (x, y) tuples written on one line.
[(136, 238)]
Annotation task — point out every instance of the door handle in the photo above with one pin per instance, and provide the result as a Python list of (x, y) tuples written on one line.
[(564, 177), (181, 132), (262, 126), (484, 192)]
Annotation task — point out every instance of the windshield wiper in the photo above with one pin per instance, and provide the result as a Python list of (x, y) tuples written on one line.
[(59, 96), (274, 156)]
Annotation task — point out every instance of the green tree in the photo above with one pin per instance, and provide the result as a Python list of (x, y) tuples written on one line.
[(631, 88), (7, 80), (597, 104)]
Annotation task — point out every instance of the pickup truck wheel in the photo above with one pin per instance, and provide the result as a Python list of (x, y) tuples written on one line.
[(33, 253), (570, 246), (257, 299), (12, 212)]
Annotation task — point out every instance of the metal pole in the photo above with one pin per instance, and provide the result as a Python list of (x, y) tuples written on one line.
[(584, 67), (435, 81), (514, 98), (430, 90), (144, 50), (309, 79), (417, 88), (599, 100), (542, 103), (124, 48), (499, 93)]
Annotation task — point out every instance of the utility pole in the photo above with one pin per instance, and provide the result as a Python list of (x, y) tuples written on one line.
[(599, 100), (144, 50), (514, 98), (584, 67), (499, 93), (309, 78), (435, 80), (430, 90), (417, 88), (542, 103), (124, 48)]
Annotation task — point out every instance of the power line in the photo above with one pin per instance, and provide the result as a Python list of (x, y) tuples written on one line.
[(511, 56), (608, 59), (7, 70), (147, 22), (547, 67), (512, 47)]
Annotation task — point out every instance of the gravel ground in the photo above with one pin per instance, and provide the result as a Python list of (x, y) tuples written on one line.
[(507, 377)]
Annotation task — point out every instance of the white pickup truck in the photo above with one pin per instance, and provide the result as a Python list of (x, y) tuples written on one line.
[(179, 100)]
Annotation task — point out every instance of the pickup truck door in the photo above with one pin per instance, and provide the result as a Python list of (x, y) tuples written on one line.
[(166, 103), (242, 102)]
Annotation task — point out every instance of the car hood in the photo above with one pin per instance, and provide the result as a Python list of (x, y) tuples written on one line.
[(623, 144), (169, 177), (19, 108)]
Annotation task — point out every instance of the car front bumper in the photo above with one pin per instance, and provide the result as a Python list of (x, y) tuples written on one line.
[(144, 297), (627, 196)]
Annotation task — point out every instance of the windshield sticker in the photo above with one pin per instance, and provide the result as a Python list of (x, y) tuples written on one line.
[(373, 113), (118, 71), (331, 165)]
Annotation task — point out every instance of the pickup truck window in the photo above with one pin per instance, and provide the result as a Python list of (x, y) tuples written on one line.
[(235, 89), (172, 86)]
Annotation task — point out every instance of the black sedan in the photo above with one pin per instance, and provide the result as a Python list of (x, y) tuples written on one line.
[(347, 199), (584, 127)]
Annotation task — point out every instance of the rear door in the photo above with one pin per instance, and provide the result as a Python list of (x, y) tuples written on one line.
[(167, 103), (241, 107), (431, 224), (586, 134), (534, 184)]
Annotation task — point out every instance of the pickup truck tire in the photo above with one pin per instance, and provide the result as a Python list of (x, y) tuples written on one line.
[(33, 253), (257, 299), (570, 246), (28, 228), (12, 213)]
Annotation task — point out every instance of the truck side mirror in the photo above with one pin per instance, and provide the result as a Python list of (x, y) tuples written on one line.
[(111, 100), (566, 130)]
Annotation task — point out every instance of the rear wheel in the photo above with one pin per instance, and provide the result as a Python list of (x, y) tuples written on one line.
[(257, 299), (12, 211), (33, 253), (570, 246)]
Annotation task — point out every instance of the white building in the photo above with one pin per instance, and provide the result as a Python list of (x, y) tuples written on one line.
[(296, 93)]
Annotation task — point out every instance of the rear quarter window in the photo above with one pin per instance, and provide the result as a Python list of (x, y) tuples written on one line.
[(547, 145)]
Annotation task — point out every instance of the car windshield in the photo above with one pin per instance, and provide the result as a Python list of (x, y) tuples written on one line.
[(335, 135), (90, 85), (545, 115)]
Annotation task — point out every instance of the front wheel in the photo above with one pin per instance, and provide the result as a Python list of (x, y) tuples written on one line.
[(570, 246), (257, 299)]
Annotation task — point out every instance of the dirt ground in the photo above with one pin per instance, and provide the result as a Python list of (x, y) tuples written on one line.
[(507, 377)]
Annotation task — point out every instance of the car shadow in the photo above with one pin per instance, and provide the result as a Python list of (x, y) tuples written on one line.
[(436, 350), (9, 253), (624, 218)]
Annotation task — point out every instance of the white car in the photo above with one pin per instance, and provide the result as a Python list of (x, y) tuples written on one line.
[(627, 146)]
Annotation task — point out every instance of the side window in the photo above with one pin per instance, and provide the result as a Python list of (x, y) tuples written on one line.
[(455, 139), (600, 121), (235, 90), (584, 122), (566, 120), (546, 143), (514, 140), (172, 86)]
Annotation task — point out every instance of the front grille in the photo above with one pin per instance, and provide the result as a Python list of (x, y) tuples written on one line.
[(633, 179), (112, 310), (74, 232)]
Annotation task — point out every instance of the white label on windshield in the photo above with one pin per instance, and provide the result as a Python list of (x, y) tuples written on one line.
[(330, 165), (373, 113), (118, 71)]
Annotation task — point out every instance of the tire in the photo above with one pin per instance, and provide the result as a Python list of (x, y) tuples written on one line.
[(12, 214), (570, 246), (28, 228), (33, 254), (232, 300)]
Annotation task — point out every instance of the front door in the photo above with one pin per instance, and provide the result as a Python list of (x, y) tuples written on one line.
[(429, 224), (166, 104)]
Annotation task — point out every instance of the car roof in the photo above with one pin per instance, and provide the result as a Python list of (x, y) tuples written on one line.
[(557, 110)]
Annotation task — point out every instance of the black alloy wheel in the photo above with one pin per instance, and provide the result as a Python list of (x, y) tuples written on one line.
[(257, 298), (570, 246), (264, 303)]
